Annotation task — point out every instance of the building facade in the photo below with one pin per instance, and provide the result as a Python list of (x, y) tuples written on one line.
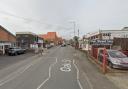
[(108, 34), (104, 38), (7, 39), (51, 37), (28, 39)]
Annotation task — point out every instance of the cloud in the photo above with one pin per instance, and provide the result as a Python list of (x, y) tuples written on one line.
[(54, 15)]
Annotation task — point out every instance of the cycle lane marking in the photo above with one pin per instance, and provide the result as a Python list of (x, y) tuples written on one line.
[(49, 75)]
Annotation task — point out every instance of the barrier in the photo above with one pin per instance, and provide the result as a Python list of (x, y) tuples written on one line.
[(104, 62), (102, 65)]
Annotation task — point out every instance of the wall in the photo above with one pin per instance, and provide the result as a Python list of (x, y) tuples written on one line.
[(24, 40), (6, 36)]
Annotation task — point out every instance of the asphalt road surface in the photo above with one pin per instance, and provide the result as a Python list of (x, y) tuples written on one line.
[(6, 61), (57, 69)]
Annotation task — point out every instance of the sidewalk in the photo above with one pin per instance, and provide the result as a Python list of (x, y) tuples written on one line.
[(96, 78), (119, 79)]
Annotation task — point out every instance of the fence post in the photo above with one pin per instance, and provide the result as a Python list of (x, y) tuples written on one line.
[(104, 61)]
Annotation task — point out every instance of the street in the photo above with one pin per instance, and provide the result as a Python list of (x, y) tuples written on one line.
[(60, 68), (6, 61)]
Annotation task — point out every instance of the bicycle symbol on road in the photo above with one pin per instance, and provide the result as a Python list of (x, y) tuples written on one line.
[(66, 65)]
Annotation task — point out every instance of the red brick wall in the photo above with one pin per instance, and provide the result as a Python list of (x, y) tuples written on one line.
[(50, 36), (5, 36)]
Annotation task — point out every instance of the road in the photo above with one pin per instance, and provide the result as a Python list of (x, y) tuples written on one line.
[(60, 68), (6, 61)]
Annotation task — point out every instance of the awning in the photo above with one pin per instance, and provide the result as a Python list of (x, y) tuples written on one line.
[(1, 44)]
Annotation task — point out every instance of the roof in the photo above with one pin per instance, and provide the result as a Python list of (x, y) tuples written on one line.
[(49, 35), (125, 28), (44, 36), (111, 31), (26, 33), (7, 31), (106, 31)]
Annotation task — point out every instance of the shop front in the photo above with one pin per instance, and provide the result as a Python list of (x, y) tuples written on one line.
[(4, 46)]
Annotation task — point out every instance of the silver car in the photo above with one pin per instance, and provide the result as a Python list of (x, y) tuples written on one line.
[(116, 59)]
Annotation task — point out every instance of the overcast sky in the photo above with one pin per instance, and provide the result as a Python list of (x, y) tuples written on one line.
[(41, 16)]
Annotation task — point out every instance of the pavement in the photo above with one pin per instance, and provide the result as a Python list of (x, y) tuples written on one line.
[(119, 79), (60, 68)]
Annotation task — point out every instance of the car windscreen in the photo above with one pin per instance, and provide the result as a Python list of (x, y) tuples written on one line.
[(117, 54)]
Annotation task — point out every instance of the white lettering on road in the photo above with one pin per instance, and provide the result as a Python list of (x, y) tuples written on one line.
[(66, 65)]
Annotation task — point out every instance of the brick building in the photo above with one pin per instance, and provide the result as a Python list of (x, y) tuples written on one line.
[(7, 39), (51, 37)]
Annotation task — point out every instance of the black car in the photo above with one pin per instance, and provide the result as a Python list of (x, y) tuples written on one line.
[(63, 45), (15, 51)]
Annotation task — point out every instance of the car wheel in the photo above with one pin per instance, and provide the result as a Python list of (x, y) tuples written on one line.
[(15, 54), (110, 65)]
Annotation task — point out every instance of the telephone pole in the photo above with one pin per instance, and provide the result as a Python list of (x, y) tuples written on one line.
[(78, 33), (74, 28)]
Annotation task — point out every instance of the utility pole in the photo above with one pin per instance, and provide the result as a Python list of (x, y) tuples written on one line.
[(78, 33), (74, 28)]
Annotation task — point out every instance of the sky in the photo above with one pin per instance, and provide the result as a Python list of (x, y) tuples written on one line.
[(42, 16)]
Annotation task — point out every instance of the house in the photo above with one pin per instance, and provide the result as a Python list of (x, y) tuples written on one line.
[(7, 39)]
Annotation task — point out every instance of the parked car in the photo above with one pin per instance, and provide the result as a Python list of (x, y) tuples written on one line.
[(115, 58), (48, 46), (15, 51), (63, 45)]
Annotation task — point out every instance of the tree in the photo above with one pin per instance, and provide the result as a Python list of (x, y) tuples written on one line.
[(76, 41), (46, 41)]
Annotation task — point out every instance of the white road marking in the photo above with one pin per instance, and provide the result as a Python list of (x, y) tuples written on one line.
[(16, 73), (48, 76), (65, 60), (90, 84), (88, 81), (65, 69), (66, 65), (77, 75)]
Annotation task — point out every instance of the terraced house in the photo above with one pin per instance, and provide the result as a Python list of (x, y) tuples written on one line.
[(7, 39)]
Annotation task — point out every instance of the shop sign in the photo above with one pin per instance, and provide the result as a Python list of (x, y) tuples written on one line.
[(101, 42)]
